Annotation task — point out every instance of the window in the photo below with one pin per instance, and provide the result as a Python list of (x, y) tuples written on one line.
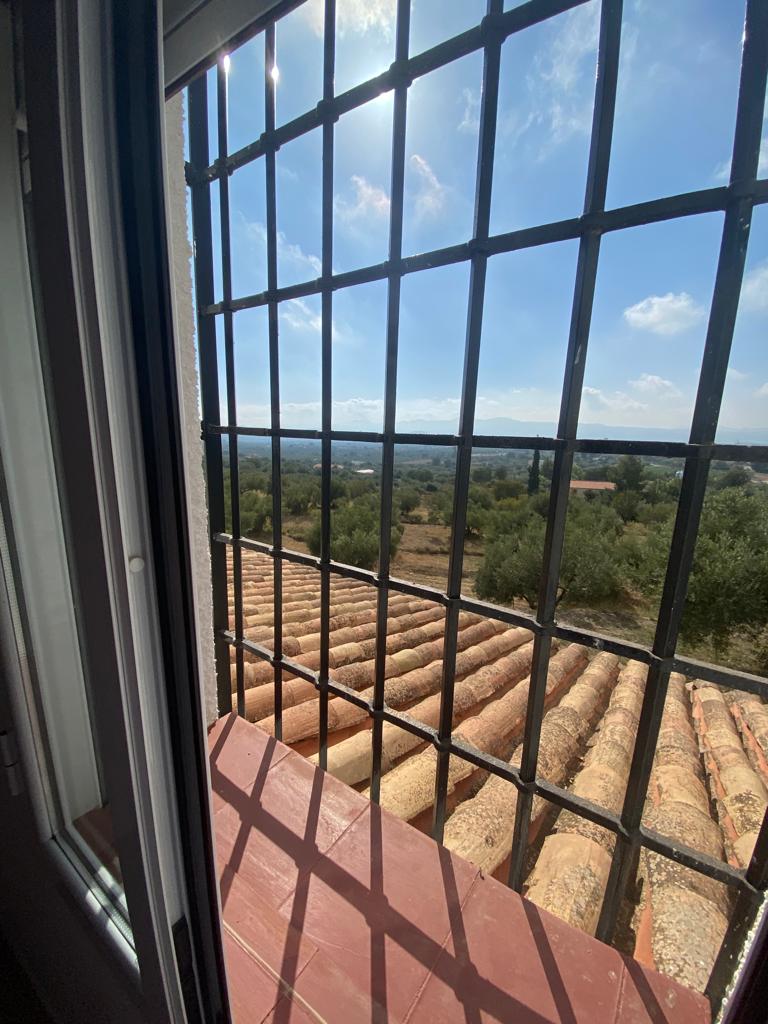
[(311, 293)]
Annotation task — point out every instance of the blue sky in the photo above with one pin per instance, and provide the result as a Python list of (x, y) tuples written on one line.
[(675, 117)]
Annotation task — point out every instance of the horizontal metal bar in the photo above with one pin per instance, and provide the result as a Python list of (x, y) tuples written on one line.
[(635, 215), (501, 614), (654, 841), (591, 446), (595, 641), (720, 870), (402, 71), (721, 676), (599, 642)]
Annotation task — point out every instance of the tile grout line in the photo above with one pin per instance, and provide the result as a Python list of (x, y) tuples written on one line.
[(420, 991), (284, 987), (327, 852)]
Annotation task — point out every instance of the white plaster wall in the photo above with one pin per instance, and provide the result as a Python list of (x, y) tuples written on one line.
[(186, 361)]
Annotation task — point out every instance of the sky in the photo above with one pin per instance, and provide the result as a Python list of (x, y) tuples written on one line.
[(675, 116)]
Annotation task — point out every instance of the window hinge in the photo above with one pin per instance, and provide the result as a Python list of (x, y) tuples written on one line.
[(9, 759)]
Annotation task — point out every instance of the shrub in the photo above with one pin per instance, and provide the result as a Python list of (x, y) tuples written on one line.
[(355, 534)]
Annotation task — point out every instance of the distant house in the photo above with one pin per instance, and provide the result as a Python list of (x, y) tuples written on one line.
[(364, 472), (593, 485)]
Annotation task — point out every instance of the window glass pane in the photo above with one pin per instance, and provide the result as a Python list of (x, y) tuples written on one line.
[(36, 557)]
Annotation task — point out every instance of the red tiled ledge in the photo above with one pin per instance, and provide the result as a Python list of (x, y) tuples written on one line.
[(335, 910)]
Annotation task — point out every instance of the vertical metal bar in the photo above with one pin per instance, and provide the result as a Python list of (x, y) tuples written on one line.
[(329, 58), (743, 170), (270, 67), (581, 317), (209, 380), (744, 164), (479, 263), (390, 385), (748, 905), (722, 319), (229, 363)]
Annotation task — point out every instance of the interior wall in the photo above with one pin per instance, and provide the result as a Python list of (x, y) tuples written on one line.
[(186, 360)]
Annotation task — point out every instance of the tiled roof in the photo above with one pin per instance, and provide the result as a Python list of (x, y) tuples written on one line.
[(709, 786), (593, 485)]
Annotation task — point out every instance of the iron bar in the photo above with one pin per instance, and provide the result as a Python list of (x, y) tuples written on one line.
[(209, 386), (581, 316), (736, 201), (636, 215), (722, 319), (486, 146), (229, 364), (397, 187), (591, 446), (270, 66), (326, 341)]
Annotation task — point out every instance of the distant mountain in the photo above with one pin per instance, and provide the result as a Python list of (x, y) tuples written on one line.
[(524, 428)]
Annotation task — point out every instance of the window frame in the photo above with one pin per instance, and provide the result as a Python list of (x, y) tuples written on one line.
[(735, 200), (75, 84)]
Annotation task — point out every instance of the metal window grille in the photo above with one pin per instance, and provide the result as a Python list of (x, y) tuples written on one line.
[(736, 200)]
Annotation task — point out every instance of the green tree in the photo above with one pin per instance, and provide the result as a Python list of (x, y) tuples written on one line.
[(592, 563), (728, 590), (355, 533), (503, 489), (408, 499), (736, 476), (299, 496), (533, 473), (627, 504), (255, 513), (628, 473)]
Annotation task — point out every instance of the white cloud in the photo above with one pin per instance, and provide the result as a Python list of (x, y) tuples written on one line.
[(762, 392), (563, 89), (301, 316), (431, 193), (722, 172), (665, 314), (288, 252), (470, 119), (754, 290), (735, 374), (358, 16), (369, 201), (654, 386), (597, 401)]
